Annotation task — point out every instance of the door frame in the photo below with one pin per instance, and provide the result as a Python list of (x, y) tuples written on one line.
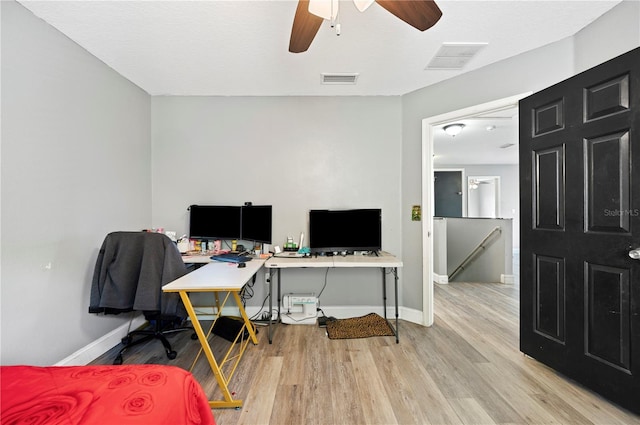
[(428, 125)]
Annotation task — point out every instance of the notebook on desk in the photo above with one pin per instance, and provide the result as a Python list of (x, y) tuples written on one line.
[(231, 258)]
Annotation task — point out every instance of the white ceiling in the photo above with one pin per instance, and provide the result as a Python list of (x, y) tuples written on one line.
[(240, 48), (486, 139)]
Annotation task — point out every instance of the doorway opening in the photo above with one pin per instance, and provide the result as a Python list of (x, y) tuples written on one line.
[(483, 196), (428, 128)]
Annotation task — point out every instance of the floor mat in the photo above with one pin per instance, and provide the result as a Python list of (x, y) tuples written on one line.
[(359, 327)]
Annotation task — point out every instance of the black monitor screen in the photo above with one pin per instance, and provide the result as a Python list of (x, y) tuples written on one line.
[(256, 223), (214, 222), (345, 230)]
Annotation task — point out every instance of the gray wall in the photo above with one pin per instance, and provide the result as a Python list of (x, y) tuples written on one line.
[(295, 153), (76, 151), (613, 34)]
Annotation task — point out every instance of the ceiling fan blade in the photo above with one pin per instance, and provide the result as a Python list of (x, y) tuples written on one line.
[(421, 14), (305, 27)]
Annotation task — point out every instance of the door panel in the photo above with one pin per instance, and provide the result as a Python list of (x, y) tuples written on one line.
[(550, 298), (580, 217), (549, 188), (448, 193), (606, 191), (608, 316)]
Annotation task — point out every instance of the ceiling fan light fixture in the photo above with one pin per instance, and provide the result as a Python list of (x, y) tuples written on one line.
[(326, 9), (453, 129), (363, 5)]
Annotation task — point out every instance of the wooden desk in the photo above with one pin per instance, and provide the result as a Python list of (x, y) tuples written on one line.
[(383, 261), (219, 277)]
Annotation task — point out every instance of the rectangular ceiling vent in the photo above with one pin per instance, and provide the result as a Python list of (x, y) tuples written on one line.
[(454, 55), (351, 78)]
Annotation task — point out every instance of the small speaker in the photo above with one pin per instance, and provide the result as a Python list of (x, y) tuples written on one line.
[(228, 327)]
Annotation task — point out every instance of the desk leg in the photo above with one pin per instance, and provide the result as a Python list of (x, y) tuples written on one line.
[(395, 275), (384, 296), (228, 400), (270, 303), (279, 271), (247, 322), (384, 292)]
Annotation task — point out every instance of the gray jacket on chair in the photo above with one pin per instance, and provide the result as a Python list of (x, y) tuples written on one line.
[(130, 271)]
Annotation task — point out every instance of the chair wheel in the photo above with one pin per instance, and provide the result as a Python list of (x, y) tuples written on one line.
[(194, 336), (172, 355), (118, 360)]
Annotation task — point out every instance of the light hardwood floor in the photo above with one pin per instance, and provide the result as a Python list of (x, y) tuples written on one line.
[(465, 369)]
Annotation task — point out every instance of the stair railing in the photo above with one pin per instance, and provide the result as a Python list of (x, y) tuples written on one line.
[(475, 253)]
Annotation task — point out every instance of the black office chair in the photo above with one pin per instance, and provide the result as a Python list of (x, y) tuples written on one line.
[(130, 271)]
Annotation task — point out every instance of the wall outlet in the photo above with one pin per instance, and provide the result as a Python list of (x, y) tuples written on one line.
[(266, 278)]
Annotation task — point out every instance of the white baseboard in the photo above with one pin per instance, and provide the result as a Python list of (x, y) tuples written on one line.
[(507, 278), (441, 279), (412, 315), (105, 343), (101, 345)]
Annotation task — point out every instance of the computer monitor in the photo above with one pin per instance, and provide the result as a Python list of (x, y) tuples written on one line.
[(256, 223), (345, 230), (214, 222)]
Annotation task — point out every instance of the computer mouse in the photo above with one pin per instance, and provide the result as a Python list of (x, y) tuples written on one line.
[(241, 265)]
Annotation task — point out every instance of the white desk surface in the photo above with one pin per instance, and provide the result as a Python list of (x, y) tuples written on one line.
[(216, 276), (383, 260)]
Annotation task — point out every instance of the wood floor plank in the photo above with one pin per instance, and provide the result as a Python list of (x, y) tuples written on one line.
[(288, 405), (257, 406), (370, 386), (470, 411), (346, 404)]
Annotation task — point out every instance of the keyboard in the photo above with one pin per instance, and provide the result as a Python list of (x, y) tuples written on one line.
[(231, 258)]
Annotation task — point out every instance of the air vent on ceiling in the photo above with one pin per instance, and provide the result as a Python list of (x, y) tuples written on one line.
[(454, 55), (339, 78)]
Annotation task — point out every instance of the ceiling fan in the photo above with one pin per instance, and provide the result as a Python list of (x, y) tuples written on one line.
[(421, 14)]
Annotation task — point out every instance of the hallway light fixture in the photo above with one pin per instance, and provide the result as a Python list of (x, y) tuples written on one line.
[(453, 129)]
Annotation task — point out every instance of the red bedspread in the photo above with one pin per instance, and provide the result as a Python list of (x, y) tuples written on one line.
[(102, 395)]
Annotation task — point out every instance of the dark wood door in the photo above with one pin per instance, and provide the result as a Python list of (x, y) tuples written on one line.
[(580, 221), (447, 189)]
